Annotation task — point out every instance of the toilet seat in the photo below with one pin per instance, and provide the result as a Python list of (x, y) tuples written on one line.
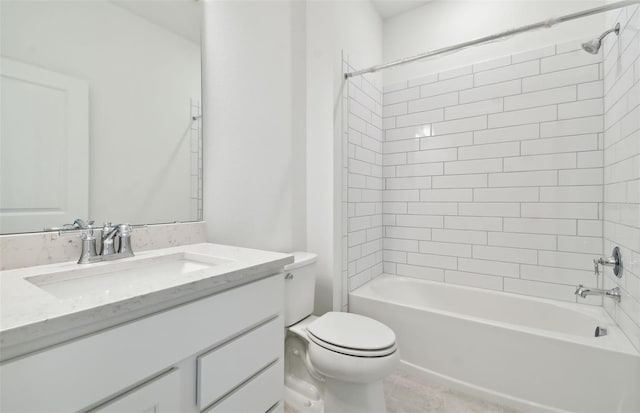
[(352, 335), (351, 351)]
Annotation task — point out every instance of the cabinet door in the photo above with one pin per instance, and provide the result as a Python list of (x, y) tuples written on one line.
[(160, 395), (228, 366), (258, 395)]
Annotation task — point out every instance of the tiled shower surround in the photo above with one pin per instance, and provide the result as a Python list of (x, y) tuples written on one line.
[(362, 181), (622, 166), (508, 174), (492, 175)]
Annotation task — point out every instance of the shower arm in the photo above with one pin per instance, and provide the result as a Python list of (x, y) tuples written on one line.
[(487, 39), (615, 29)]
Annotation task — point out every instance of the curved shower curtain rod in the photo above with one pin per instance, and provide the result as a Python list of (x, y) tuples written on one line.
[(543, 24)]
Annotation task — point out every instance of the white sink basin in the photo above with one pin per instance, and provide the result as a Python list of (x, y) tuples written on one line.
[(108, 277)]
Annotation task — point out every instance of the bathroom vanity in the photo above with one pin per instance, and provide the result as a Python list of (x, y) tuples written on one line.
[(189, 329)]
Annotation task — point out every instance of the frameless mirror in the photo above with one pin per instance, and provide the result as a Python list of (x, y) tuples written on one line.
[(100, 112)]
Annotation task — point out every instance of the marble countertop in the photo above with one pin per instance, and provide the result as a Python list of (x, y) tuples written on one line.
[(33, 318)]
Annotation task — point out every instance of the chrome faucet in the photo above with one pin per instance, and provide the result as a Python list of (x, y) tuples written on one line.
[(78, 226), (615, 261), (108, 237), (124, 233), (88, 253), (613, 293), (109, 233)]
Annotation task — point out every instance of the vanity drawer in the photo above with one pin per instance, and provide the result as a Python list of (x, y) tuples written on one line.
[(161, 395), (227, 366), (258, 395)]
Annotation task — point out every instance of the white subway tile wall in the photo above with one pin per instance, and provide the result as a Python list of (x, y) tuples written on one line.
[(622, 167), (362, 174), (493, 175)]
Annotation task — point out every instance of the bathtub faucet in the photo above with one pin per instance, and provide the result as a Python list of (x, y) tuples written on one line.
[(613, 293), (615, 261)]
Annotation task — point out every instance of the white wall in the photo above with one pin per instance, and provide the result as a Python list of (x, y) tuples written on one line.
[(444, 23), (249, 177), (272, 111), (141, 78), (332, 27)]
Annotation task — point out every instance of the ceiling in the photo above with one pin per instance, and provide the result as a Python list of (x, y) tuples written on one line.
[(182, 17), (390, 8)]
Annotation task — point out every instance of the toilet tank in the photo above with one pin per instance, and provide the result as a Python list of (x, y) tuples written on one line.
[(299, 287)]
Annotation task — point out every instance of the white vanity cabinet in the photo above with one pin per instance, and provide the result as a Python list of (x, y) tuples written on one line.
[(222, 353)]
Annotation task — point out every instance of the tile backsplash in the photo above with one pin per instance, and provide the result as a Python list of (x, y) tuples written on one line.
[(26, 250), (493, 174)]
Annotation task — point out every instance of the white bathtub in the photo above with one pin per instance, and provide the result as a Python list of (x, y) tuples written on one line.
[(529, 353)]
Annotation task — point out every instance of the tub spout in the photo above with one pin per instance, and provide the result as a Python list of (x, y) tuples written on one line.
[(613, 293), (582, 291)]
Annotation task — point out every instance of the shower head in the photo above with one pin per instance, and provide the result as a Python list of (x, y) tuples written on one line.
[(593, 46)]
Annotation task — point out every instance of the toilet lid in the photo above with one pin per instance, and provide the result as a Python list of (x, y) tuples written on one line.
[(353, 331)]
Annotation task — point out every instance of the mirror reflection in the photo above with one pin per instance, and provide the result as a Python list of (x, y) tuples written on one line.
[(100, 114)]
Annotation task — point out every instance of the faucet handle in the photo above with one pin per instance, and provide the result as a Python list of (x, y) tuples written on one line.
[(615, 261), (86, 232), (73, 228), (108, 232), (596, 267), (64, 227), (80, 224)]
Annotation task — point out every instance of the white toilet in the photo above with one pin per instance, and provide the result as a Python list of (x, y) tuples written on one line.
[(334, 363)]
